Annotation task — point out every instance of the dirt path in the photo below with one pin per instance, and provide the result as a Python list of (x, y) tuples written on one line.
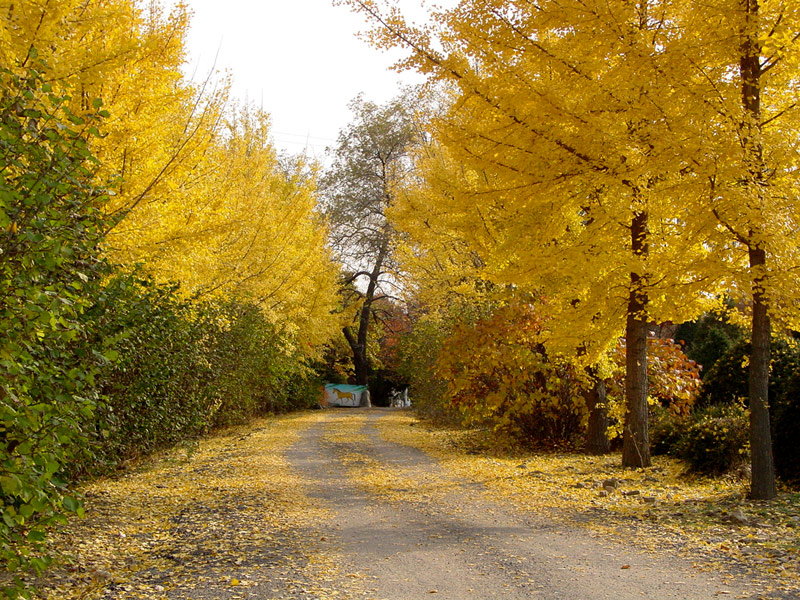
[(320, 506), (408, 530)]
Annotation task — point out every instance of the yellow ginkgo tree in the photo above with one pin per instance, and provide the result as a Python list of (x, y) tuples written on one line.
[(598, 147), (201, 196), (569, 176), (741, 68)]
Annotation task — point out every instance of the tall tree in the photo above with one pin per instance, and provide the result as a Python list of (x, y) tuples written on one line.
[(749, 167), (130, 55), (370, 160), (651, 128), (568, 171), (202, 197)]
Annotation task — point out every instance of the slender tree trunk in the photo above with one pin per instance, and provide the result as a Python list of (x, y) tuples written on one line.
[(360, 358), (358, 341), (635, 437), (762, 485), (597, 441)]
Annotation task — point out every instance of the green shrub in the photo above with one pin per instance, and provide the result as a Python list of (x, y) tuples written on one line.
[(786, 430), (256, 367), (185, 367), (708, 339), (415, 361), (666, 430), (717, 440), (51, 224), (159, 390), (727, 381)]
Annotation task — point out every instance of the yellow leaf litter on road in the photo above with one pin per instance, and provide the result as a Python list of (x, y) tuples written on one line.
[(228, 517), (658, 508), (206, 522), (344, 432)]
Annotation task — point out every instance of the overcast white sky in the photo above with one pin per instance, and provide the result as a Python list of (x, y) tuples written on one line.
[(298, 59)]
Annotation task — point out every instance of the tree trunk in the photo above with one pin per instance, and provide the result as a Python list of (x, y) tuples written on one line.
[(360, 358), (635, 437), (358, 341), (762, 485), (597, 441)]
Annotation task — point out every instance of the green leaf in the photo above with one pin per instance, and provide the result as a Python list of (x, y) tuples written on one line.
[(36, 535), (10, 485), (70, 503)]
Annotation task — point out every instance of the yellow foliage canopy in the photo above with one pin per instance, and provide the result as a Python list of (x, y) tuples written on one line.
[(566, 120), (200, 194)]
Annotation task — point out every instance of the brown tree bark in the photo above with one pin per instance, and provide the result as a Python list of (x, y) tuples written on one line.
[(358, 340), (361, 364), (597, 441), (635, 437), (762, 484)]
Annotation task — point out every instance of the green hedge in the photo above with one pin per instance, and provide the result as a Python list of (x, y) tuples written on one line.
[(184, 367), (716, 440), (51, 224), (99, 364), (727, 383), (158, 390)]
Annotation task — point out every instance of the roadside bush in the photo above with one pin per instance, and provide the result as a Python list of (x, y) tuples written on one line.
[(160, 388), (51, 224), (728, 379), (306, 390), (246, 362), (666, 431), (708, 339), (499, 376), (786, 426), (717, 440), (414, 359), (184, 367), (257, 367)]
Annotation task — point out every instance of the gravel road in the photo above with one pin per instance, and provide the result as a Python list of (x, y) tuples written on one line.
[(320, 506), (441, 538)]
